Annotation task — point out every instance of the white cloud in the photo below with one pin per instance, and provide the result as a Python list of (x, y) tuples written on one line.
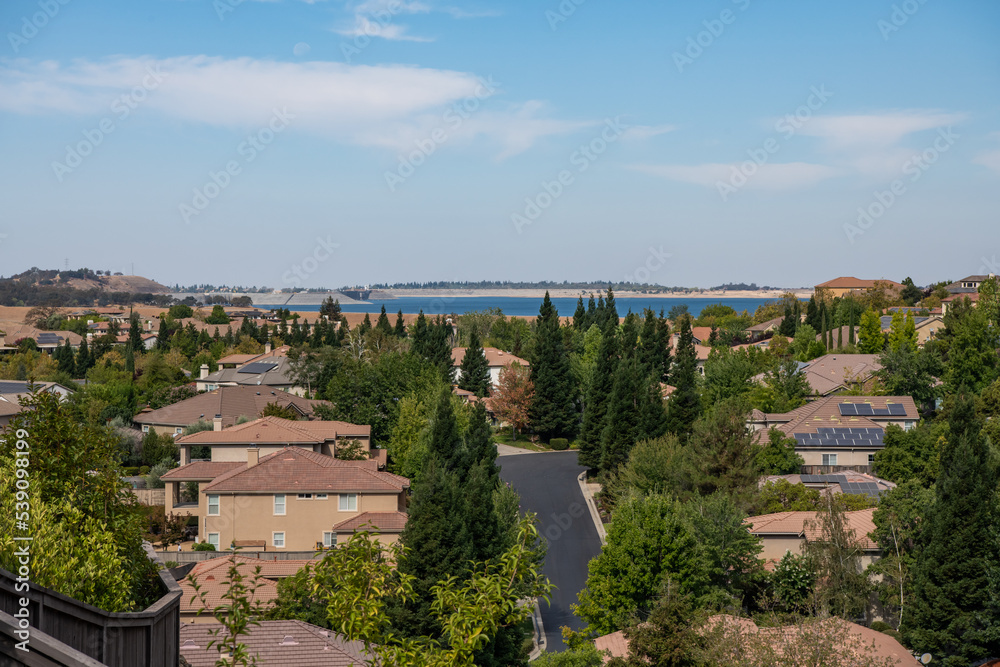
[(386, 106), (643, 132), (781, 176), (870, 131)]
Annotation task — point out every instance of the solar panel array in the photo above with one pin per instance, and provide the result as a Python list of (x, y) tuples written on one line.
[(13, 387), (48, 339), (257, 367), (866, 410), (841, 437), (860, 488), (820, 479)]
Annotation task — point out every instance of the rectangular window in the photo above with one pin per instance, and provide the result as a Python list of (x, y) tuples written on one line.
[(279, 504), (305, 496), (348, 502), (178, 430), (213, 539), (278, 540), (871, 459), (213, 505), (320, 496), (329, 540), (145, 428), (829, 459)]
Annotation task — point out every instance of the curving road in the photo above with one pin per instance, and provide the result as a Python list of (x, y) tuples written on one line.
[(548, 486)]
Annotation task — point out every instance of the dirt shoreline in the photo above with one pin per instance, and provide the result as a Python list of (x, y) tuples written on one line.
[(573, 293)]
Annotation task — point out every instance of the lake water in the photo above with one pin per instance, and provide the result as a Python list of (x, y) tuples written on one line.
[(529, 306)]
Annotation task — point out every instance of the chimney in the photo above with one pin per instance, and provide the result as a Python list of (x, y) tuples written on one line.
[(267, 347), (217, 423), (203, 372), (253, 457)]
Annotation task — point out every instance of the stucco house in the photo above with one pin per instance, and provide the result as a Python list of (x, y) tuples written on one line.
[(496, 359)]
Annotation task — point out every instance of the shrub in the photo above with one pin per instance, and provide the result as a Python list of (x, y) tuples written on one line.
[(559, 444), (143, 470), (130, 471), (170, 563), (203, 546)]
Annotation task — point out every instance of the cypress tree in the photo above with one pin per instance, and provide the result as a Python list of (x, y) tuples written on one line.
[(421, 336), (663, 348), (840, 337), (135, 334), (230, 340), (552, 411), (439, 348), (383, 322), (479, 441), (474, 373), (789, 323), (685, 403), (163, 335), (596, 406), (446, 442), (591, 313), (628, 416), (400, 329), (365, 326), (850, 332), (648, 341), (812, 313), (958, 556), (67, 364), (83, 359), (580, 316), (610, 310)]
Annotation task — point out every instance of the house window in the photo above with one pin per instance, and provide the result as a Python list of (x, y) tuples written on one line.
[(348, 502), (320, 496), (278, 540), (305, 496), (908, 425), (178, 431), (871, 459), (329, 539), (145, 428), (213, 505), (829, 459), (279, 504), (213, 539)]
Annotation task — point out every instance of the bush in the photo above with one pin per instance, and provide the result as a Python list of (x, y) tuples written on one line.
[(886, 629), (170, 563), (143, 470), (203, 546), (130, 471), (559, 444)]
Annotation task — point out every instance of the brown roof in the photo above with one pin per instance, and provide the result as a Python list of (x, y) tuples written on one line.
[(494, 358), (200, 471), (275, 430), (850, 282), (230, 402), (766, 326), (237, 358), (269, 569), (276, 644), (615, 644), (701, 334), (825, 413), (828, 373), (297, 470), (805, 525), (382, 522), (214, 586), (11, 332)]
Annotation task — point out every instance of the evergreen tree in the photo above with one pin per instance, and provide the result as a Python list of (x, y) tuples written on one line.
[(812, 313), (840, 337), (399, 331), (580, 316), (479, 441), (330, 309), (83, 359), (596, 405), (383, 322), (421, 336), (446, 443), (684, 405), (135, 334), (850, 331), (870, 333), (951, 614), (474, 373), (635, 412), (591, 313), (552, 410), (789, 323), (163, 336), (364, 327), (67, 364), (610, 311), (439, 348)]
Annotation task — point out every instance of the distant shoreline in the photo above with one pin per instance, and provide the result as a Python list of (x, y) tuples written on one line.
[(574, 293)]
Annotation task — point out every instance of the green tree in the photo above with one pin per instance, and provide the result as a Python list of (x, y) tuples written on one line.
[(870, 338), (912, 373), (218, 316), (596, 401), (180, 311), (902, 333), (958, 551), (399, 330), (383, 323), (297, 601), (474, 372), (836, 553), (783, 496), (778, 456), (794, 582), (971, 351), (910, 294), (910, 455), (634, 412), (552, 411), (669, 638), (653, 467), (684, 405), (721, 455)]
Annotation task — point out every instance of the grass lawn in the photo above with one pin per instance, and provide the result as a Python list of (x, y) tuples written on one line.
[(522, 441)]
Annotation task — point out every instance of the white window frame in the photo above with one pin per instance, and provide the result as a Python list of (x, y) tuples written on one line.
[(145, 428), (344, 502), (329, 539), (178, 431), (871, 459), (210, 497), (274, 539), (320, 496), (214, 542), (304, 496), (829, 459), (284, 504)]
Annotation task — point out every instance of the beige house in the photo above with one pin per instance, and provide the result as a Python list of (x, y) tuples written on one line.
[(292, 499), (270, 369), (839, 432), (788, 532), (496, 359), (848, 284), (270, 434), (229, 403)]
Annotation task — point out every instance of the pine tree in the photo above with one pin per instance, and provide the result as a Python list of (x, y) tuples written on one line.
[(591, 313), (83, 359), (949, 615), (789, 323), (610, 311), (479, 441), (684, 405), (580, 316), (552, 411), (635, 412), (421, 336), (446, 442), (383, 323), (474, 373), (399, 331), (596, 406), (67, 364), (871, 340), (439, 348), (812, 313), (163, 335), (365, 326)]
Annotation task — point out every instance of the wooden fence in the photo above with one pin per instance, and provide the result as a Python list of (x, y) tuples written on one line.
[(149, 637), (151, 496)]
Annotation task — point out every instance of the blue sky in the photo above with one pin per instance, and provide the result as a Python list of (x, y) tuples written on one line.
[(292, 143)]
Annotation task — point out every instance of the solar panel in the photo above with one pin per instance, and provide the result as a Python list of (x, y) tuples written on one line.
[(257, 367), (48, 338), (897, 409), (864, 409), (848, 409)]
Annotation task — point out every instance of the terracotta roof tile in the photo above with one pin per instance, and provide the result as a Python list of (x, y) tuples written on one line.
[(495, 358), (201, 470), (275, 430), (276, 644), (214, 586), (805, 524), (230, 402)]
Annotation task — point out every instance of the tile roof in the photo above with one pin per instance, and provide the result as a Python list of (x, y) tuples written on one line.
[(826, 413), (201, 470), (766, 326), (230, 402), (214, 586), (830, 372), (495, 358), (278, 376), (276, 644), (805, 525), (269, 569), (297, 470), (11, 332), (275, 430), (383, 522), (850, 282)]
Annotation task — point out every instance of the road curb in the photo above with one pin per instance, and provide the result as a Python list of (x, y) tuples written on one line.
[(539, 639), (592, 506)]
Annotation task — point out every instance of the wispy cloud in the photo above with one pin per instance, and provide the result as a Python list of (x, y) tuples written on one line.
[(383, 106), (643, 132), (380, 18)]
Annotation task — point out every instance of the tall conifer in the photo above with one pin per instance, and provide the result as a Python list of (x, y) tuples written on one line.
[(552, 410)]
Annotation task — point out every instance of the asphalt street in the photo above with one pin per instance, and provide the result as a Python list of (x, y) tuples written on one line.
[(548, 486)]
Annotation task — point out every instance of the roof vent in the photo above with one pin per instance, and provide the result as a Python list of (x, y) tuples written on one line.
[(288, 641), (189, 643)]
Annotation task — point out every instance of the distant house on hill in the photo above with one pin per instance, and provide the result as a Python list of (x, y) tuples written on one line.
[(496, 359), (271, 369), (848, 284)]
